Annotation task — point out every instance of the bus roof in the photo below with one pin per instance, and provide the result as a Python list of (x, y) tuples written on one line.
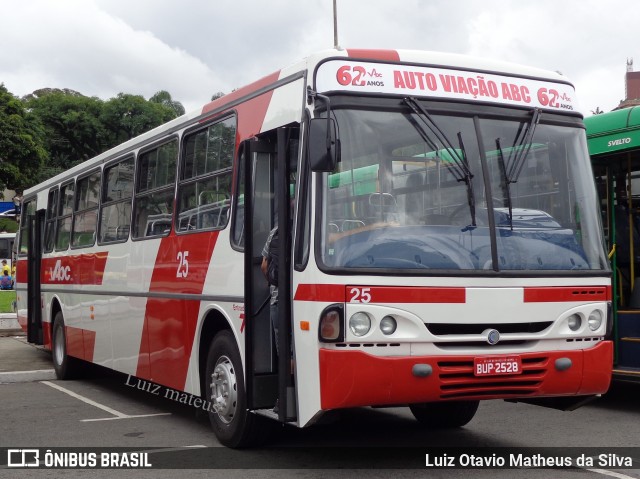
[(614, 131)]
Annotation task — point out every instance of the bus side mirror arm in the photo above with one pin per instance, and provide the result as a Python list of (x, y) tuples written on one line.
[(324, 145)]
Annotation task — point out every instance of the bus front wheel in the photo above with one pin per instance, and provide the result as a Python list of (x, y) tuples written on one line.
[(65, 366), (232, 423), (445, 414)]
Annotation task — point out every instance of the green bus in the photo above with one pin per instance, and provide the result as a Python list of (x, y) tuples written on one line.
[(614, 146)]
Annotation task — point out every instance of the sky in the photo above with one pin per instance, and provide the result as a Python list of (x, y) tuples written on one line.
[(196, 48)]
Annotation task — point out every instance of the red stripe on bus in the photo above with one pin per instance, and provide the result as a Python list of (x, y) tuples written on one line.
[(87, 268), (558, 294), (336, 293), (385, 55), (251, 113), (326, 293), (170, 324), (81, 343), (403, 294)]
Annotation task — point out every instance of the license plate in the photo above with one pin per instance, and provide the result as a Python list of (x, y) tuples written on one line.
[(494, 366)]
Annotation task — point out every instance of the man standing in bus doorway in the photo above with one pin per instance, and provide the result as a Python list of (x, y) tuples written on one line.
[(269, 268), (5, 267)]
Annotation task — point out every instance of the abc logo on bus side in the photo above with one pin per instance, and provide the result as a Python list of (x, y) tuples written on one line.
[(60, 273)]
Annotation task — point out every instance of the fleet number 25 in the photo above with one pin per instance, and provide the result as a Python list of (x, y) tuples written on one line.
[(183, 264), (360, 295)]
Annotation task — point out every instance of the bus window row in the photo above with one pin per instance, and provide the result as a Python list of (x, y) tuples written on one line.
[(134, 196)]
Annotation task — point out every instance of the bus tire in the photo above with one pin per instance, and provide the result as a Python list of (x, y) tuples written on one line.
[(65, 366), (442, 415), (232, 423)]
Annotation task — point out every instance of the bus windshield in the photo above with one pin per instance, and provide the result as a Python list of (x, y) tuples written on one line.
[(422, 190)]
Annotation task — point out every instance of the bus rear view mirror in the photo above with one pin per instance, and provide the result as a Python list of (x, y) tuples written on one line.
[(324, 146)]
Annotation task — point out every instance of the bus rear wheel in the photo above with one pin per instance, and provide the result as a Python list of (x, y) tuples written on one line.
[(232, 423), (444, 415), (65, 366)]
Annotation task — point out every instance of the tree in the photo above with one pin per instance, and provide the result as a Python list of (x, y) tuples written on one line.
[(127, 116), (21, 150), (74, 131), (164, 98), (57, 129), (215, 96)]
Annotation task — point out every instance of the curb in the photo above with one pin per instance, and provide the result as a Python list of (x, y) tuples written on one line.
[(28, 376), (9, 321)]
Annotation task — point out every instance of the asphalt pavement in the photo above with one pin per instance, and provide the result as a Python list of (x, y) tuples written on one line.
[(21, 361)]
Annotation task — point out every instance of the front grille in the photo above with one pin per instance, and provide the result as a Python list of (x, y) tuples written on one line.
[(479, 344), (367, 345), (458, 380), (444, 329)]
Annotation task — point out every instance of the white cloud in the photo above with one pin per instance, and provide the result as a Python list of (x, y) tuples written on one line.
[(194, 48), (90, 51)]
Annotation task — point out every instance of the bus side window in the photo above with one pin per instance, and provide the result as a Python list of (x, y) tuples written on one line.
[(85, 218), (28, 210), (50, 220), (204, 190), (65, 210), (154, 191), (115, 209)]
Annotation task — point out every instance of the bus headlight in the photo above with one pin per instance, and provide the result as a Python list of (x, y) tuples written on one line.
[(360, 323), (574, 321), (388, 325), (595, 320)]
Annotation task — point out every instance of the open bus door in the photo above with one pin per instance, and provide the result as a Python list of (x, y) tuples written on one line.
[(618, 181), (614, 145), (35, 230), (268, 375)]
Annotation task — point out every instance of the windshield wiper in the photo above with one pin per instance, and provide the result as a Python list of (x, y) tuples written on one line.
[(507, 189), (521, 149), (460, 166), (468, 177)]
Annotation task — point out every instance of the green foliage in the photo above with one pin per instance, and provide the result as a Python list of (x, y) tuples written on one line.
[(74, 132), (7, 225), (52, 130), (21, 150), (164, 98), (127, 116), (7, 297)]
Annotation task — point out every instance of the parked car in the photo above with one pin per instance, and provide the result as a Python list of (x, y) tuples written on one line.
[(11, 213)]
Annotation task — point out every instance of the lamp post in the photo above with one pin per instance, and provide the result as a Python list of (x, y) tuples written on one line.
[(335, 24)]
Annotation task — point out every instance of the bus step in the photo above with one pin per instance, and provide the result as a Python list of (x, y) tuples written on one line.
[(272, 415), (626, 373), (629, 352), (267, 412)]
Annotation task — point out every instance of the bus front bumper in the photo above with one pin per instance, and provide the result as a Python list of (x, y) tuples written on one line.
[(355, 378)]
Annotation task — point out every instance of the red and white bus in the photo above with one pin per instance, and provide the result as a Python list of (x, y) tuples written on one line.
[(443, 246)]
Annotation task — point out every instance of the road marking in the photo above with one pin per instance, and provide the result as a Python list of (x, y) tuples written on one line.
[(118, 414), (605, 472), (126, 417)]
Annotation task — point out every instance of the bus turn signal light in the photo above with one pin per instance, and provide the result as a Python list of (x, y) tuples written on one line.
[(331, 327)]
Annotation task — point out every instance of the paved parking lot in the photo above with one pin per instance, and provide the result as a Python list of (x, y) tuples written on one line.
[(73, 411), (105, 410)]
